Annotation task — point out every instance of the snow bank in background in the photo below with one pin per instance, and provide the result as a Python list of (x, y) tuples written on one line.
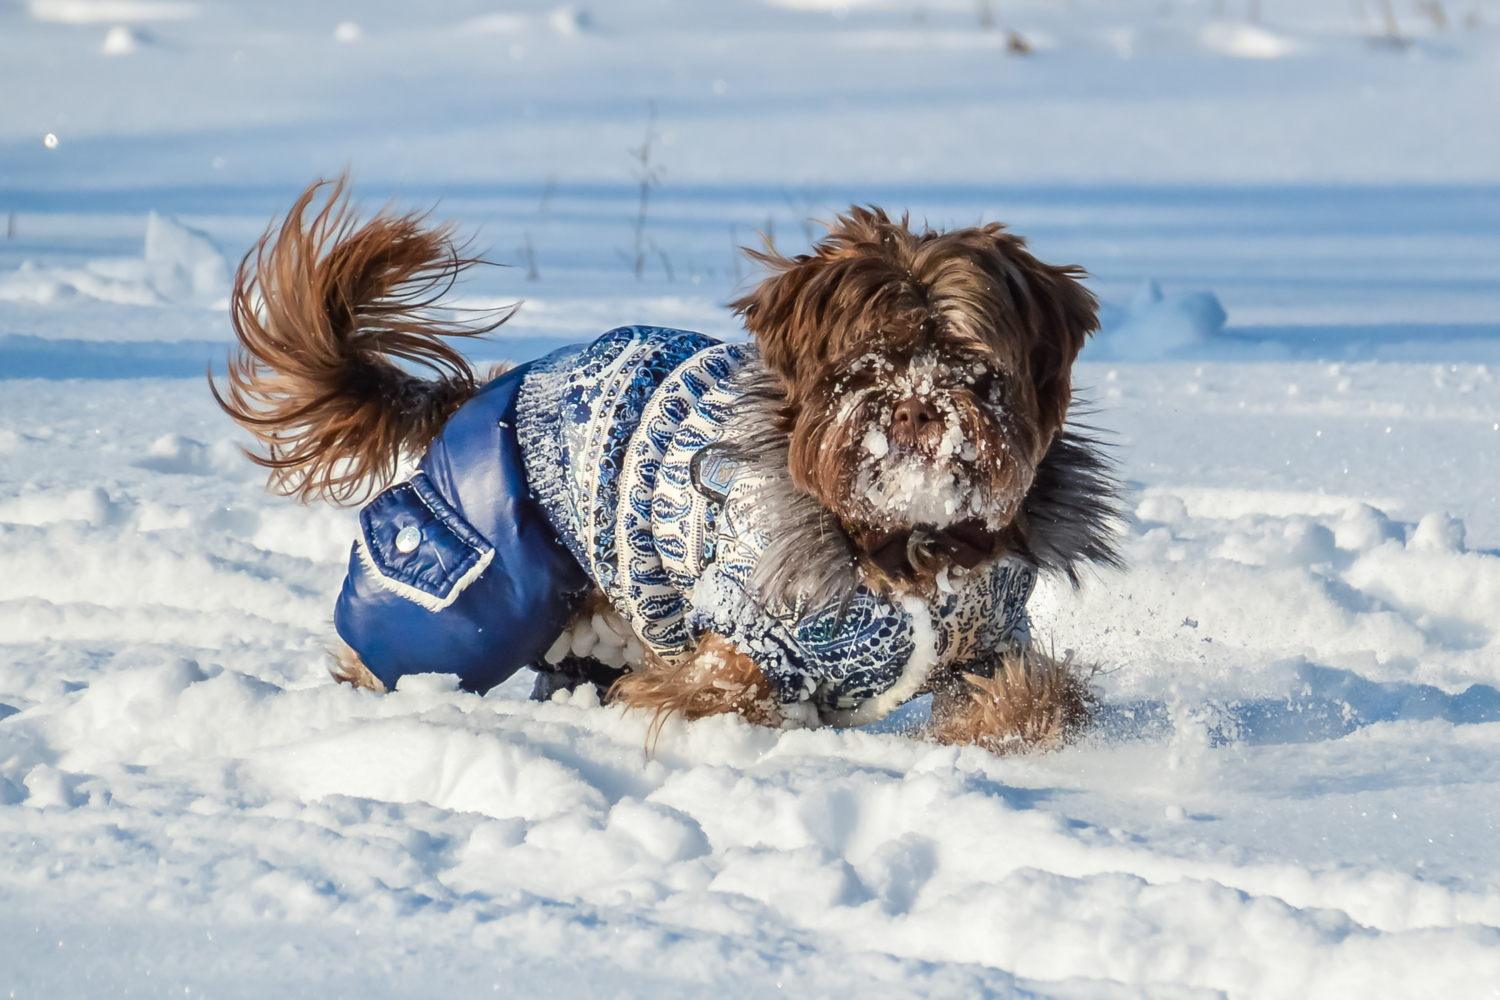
[(121, 41), (1155, 326), (1244, 41), (828, 6), (122, 281), (567, 21), (177, 264), (1181, 111), (183, 263), (899, 40), (110, 11), (586, 318)]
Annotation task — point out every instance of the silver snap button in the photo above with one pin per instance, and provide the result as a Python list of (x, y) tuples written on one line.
[(408, 538)]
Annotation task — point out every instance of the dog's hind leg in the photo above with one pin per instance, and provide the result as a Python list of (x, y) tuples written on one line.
[(716, 679), (348, 668)]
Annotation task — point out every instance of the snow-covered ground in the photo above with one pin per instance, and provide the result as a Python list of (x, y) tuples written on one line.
[(1293, 790)]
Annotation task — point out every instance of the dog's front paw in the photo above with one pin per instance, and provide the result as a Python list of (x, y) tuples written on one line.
[(716, 679), (1014, 703)]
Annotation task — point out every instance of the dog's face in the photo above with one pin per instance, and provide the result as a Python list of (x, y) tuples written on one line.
[(926, 374)]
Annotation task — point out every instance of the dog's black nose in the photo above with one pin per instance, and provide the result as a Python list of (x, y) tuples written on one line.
[(914, 414)]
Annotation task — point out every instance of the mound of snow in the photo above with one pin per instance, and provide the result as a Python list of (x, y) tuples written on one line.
[(183, 263), (566, 20), (121, 41), (1156, 326), (1244, 41), (177, 264), (108, 11)]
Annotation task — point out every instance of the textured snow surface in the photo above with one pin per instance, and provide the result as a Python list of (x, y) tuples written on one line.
[(1292, 792), (1293, 788)]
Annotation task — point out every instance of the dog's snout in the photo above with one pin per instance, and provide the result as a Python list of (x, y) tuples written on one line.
[(914, 414)]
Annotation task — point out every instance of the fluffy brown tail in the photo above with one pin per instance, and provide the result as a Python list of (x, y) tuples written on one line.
[(326, 311)]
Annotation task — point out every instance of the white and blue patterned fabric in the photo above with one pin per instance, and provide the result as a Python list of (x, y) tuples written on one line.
[(617, 441)]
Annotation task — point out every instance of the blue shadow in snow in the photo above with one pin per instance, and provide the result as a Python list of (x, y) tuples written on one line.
[(1324, 704), (24, 356)]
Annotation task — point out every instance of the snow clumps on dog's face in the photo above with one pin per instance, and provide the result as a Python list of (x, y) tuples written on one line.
[(934, 443), (926, 374)]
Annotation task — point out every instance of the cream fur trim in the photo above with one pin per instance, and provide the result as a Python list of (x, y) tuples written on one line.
[(411, 593)]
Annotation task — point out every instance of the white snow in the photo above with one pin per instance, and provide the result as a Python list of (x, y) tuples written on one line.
[(1292, 789), (1246, 41), (1154, 326), (911, 491), (96, 11), (177, 264), (1299, 806), (119, 41)]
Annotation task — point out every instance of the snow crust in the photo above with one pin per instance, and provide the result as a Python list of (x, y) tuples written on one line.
[(1299, 806), (1155, 326)]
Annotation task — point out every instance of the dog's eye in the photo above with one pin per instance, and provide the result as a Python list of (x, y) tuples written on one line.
[(853, 379), (974, 374), (987, 385)]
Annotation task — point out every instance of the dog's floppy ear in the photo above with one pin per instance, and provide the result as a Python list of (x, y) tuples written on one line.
[(813, 304), (1057, 313), (778, 306)]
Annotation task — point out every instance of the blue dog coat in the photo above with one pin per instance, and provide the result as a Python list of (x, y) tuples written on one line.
[(598, 465)]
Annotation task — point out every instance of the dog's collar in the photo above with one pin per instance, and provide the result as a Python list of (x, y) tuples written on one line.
[(966, 544)]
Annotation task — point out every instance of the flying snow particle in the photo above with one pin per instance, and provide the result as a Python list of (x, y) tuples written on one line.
[(50, 141), (348, 32)]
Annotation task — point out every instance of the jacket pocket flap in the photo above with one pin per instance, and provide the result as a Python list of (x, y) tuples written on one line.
[(418, 546)]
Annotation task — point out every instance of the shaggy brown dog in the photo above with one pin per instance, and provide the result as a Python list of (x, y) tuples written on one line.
[(919, 383), (909, 337)]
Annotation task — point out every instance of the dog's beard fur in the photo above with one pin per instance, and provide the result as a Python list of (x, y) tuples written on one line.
[(914, 500), (952, 484)]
